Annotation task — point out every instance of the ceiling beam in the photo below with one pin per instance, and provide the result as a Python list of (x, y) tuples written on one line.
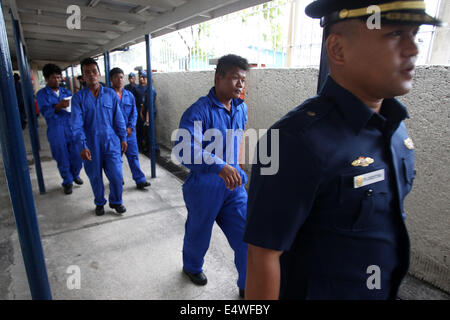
[(61, 7), (140, 9), (155, 4), (53, 55), (234, 7), (182, 13), (40, 36), (59, 49), (39, 64), (93, 3), (73, 33), (66, 45), (85, 25), (52, 60)]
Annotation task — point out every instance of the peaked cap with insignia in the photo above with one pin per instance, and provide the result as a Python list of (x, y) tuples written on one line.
[(406, 12)]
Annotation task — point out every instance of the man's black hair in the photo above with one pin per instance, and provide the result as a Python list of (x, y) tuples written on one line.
[(88, 62), (115, 71), (228, 62), (50, 69)]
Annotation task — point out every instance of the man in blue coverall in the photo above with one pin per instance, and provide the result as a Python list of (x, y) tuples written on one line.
[(128, 107), (53, 103), (214, 189), (330, 223), (101, 134)]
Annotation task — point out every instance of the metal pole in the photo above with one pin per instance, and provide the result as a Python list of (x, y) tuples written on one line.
[(107, 67), (67, 82), (150, 107), (30, 83), (324, 69), (18, 176), (28, 98), (73, 80)]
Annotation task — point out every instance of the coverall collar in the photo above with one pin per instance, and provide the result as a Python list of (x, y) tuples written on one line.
[(50, 90), (100, 92), (212, 95), (356, 112)]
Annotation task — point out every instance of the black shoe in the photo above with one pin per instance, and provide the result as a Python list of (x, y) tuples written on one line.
[(123, 182), (78, 181), (143, 185), (67, 189), (242, 293), (197, 278), (99, 211), (118, 207)]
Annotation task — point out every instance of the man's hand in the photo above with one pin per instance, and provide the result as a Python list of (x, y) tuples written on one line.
[(129, 132), (140, 113), (231, 177), (124, 146), (62, 104), (86, 154)]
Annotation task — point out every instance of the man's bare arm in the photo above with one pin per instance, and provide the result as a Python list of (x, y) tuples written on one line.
[(263, 274)]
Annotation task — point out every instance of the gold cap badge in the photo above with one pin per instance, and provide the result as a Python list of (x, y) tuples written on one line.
[(409, 144), (363, 162)]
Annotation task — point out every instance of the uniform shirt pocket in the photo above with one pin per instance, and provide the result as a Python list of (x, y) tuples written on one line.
[(361, 208), (127, 108)]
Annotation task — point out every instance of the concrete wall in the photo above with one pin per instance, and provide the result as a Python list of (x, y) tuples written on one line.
[(271, 93), (440, 53), (428, 205)]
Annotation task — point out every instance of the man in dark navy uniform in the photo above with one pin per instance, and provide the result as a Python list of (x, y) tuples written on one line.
[(330, 223), (131, 86)]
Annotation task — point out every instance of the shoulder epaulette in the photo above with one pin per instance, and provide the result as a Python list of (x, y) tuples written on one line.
[(305, 115)]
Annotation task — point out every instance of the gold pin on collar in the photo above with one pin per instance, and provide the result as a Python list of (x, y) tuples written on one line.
[(409, 144), (363, 162)]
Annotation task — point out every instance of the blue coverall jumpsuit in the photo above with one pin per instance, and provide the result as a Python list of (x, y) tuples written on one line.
[(205, 194), (98, 125), (59, 133), (128, 107)]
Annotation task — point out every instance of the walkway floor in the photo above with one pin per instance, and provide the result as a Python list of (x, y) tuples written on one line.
[(134, 256)]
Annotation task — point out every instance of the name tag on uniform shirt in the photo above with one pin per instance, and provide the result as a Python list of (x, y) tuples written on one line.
[(368, 178)]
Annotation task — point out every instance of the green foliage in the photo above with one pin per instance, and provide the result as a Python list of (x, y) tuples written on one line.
[(270, 13)]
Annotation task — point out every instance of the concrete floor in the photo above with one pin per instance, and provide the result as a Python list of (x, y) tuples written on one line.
[(134, 256)]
